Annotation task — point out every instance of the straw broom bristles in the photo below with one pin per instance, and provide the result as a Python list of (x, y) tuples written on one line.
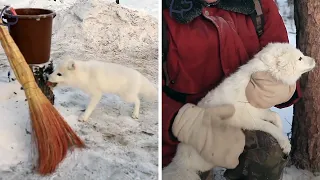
[(53, 135)]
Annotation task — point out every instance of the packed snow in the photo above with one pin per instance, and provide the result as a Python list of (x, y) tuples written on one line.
[(118, 146)]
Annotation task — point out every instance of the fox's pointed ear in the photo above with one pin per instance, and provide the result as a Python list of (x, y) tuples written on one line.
[(71, 65)]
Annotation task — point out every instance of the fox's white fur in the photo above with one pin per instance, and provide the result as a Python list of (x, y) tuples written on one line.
[(285, 63), (97, 77)]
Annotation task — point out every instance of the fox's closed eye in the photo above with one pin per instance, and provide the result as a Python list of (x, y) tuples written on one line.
[(59, 74), (300, 58)]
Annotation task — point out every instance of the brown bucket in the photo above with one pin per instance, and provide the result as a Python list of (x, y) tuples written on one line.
[(32, 33)]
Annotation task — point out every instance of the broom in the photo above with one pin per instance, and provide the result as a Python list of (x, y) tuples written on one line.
[(51, 133)]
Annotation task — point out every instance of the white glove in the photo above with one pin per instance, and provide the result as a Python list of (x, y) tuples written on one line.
[(264, 91), (216, 143)]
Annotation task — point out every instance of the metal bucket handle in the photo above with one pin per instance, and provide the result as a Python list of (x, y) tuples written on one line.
[(9, 16)]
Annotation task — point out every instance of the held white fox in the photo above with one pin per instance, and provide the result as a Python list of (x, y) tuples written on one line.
[(97, 77), (286, 63)]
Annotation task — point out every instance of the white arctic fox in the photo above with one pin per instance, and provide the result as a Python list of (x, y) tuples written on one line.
[(97, 77), (285, 63)]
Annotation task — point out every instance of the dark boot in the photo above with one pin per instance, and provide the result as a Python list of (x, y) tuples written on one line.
[(262, 159)]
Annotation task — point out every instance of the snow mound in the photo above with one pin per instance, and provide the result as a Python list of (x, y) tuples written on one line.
[(109, 30)]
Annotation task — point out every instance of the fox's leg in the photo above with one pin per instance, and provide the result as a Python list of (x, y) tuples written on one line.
[(133, 98), (91, 106), (136, 110), (273, 118), (249, 117), (273, 130)]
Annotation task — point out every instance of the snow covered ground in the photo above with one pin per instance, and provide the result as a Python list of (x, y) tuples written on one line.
[(118, 147)]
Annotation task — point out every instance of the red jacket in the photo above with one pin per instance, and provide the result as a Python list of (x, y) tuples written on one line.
[(206, 50)]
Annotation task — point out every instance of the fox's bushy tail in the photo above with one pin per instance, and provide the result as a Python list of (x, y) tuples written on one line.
[(148, 89)]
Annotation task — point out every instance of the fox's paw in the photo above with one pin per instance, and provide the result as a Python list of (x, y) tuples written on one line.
[(285, 146), (277, 121), (82, 118), (135, 116)]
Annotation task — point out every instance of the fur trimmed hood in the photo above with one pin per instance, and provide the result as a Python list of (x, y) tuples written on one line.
[(184, 11)]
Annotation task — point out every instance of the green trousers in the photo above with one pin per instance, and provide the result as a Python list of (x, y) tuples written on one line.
[(262, 159)]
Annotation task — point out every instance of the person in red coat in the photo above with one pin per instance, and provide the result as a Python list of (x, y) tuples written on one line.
[(207, 41)]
